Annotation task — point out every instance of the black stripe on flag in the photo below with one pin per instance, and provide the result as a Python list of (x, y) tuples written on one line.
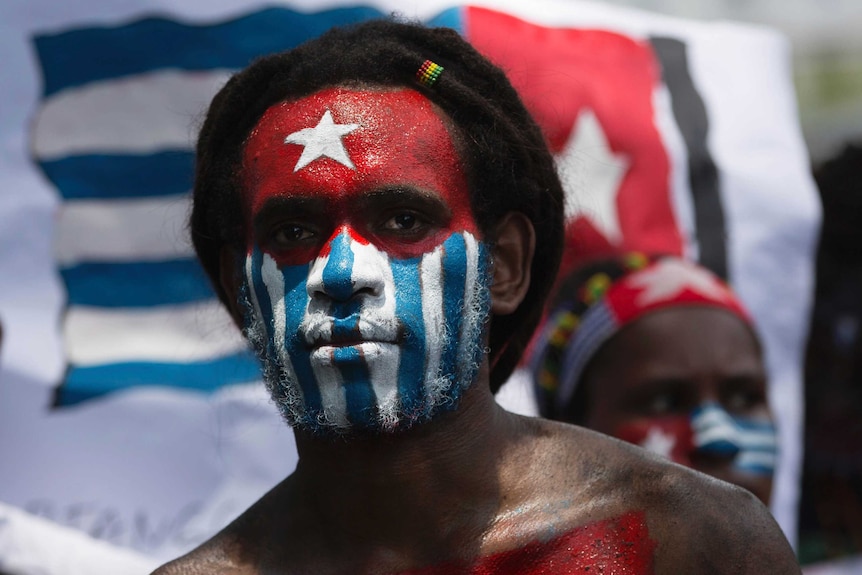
[(690, 114)]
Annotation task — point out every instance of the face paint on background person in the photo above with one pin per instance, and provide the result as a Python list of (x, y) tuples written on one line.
[(752, 443), (359, 328), (669, 436), (749, 443)]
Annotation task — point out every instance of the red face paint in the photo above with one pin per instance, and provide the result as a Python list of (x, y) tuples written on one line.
[(325, 155), (619, 546), (669, 436)]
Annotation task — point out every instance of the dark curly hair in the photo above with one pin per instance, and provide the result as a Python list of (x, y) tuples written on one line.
[(509, 167)]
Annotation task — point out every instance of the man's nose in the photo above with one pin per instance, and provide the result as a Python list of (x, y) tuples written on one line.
[(349, 269), (716, 434)]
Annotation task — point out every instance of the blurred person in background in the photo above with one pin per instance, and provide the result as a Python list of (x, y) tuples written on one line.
[(658, 351), (830, 514)]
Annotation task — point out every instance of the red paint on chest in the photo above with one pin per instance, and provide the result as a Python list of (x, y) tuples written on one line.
[(618, 546)]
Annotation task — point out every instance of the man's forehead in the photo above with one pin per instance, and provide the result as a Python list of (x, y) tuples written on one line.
[(356, 104), (345, 138)]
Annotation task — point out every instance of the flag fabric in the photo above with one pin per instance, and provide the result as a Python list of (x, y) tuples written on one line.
[(130, 408), (31, 544)]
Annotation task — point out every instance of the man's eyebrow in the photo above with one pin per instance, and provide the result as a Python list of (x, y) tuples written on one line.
[(396, 195), (285, 205)]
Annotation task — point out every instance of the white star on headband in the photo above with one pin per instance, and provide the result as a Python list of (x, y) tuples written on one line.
[(322, 140), (670, 277)]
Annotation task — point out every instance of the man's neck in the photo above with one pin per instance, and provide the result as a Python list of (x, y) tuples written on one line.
[(440, 480)]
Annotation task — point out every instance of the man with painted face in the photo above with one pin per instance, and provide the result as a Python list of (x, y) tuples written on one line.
[(381, 215)]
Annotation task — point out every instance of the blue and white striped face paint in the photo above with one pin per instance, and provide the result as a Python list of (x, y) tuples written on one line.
[(360, 340), (750, 443)]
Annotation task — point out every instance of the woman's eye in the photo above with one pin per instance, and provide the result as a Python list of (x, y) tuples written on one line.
[(667, 402), (742, 401), (661, 404)]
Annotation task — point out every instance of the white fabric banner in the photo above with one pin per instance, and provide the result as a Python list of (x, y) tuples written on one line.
[(129, 407)]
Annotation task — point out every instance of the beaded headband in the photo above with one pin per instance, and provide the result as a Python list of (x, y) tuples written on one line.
[(428, 73)]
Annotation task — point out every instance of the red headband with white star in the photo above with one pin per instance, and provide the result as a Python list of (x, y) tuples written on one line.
[(669, 282), (650, 286)]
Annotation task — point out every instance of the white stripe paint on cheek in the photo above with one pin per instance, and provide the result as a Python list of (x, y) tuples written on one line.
[(275, 286), (249, 278), (274, 281), (471, 316), (713, 425), (431, 277), (332, 395), (759, 459)]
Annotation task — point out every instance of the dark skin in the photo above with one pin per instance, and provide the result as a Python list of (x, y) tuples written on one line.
[(481, 480), (675, 360), (477, 480)]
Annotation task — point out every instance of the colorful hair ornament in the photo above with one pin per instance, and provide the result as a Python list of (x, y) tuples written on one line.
[(635, 260), (596, 287), (428, 73)]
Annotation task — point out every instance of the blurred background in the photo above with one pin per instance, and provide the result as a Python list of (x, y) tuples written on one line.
[(826, 46), (827, 57)]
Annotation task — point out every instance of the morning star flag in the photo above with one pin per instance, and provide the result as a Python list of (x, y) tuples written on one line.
[(130, 408)]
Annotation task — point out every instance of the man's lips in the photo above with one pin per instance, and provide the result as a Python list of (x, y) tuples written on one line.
[(350, 332), (347, 342)]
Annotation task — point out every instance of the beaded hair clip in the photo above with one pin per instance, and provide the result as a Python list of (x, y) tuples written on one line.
[(428, 73)]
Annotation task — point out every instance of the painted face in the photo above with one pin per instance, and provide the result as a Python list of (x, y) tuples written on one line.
[(688, 383), (365, 278), (709, 431)]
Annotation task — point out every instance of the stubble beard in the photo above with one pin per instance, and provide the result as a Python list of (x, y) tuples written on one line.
[(443, 391)]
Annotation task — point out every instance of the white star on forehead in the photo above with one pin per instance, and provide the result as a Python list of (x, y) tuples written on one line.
[(669, 277), (659, 442), (322, 140)]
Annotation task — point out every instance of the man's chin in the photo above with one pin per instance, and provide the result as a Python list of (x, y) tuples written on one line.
[(378, 424), (376, 428)]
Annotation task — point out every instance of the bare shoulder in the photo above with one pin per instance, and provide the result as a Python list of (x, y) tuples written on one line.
[(698, 524), (236, 549), (709, 526), (214, 557)]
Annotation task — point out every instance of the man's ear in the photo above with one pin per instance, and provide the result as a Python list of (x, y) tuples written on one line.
[(515, 242), (229, 280)]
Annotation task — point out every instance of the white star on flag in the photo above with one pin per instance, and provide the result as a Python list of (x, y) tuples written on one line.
[(659, 442), (591, 174), (322, 140), (669, 277)]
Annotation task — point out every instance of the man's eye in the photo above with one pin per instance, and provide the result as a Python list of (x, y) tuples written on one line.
[(405, 222), (662, 404), (290, 234), (742, 401)]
